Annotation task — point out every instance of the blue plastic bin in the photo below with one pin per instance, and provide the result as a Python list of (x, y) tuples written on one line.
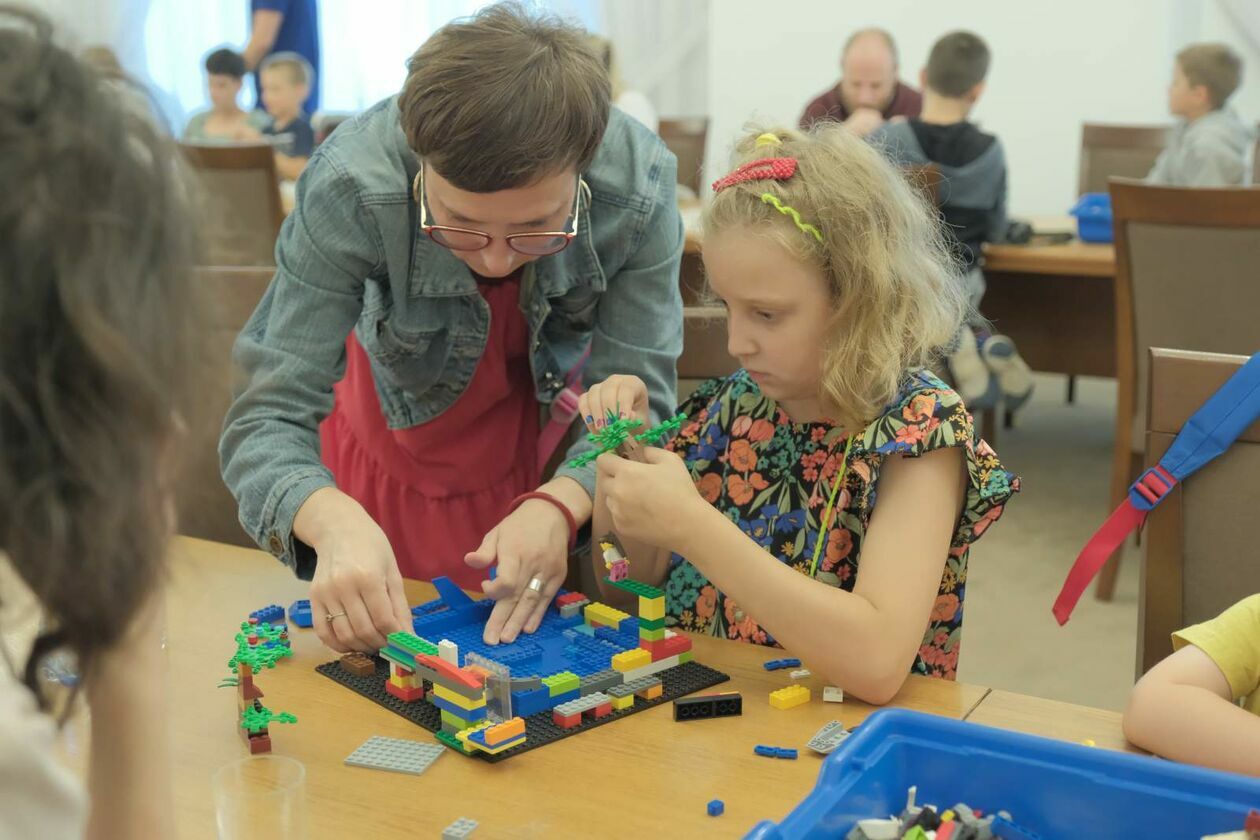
[(1058, 790), (1093, 217)]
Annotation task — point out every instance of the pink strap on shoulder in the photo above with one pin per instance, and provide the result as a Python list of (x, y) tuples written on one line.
[(564, 408)]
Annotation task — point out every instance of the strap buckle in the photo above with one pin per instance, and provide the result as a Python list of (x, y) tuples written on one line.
[(1151, 488)]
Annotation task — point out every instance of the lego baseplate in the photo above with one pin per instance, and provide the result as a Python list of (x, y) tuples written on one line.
[(540, 730)]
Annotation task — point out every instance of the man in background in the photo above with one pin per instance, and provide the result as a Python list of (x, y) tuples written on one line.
[(869, 92)]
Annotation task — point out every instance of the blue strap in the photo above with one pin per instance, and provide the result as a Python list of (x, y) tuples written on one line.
[(1214, 427)]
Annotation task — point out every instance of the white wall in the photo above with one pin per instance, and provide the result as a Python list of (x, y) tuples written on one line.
[(1054, 67)]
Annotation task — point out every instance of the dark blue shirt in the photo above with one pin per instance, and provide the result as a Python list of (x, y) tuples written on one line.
[(296, 139), (299, 33)]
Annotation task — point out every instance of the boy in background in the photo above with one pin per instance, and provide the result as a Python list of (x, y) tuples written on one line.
[(1208, 149), (286, 81), (225, 122), (972, 201)]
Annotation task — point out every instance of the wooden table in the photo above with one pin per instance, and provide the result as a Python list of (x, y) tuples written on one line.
[(1056, 301), (1051, 719), (640, 774)]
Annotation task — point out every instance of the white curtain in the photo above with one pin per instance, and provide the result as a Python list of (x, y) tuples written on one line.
[(663, 51)]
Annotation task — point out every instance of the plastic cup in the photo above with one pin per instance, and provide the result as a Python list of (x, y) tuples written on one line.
[(262, 796)]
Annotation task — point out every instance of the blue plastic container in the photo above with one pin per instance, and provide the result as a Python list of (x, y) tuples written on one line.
[(1058, 790), (1093, 217)]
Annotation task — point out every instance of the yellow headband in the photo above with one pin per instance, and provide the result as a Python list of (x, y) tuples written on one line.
[(806, 227)]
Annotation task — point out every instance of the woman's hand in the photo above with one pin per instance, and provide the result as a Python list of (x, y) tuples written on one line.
[(616, 397)]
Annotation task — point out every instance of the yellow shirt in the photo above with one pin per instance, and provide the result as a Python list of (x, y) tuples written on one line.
[(1232, 641)]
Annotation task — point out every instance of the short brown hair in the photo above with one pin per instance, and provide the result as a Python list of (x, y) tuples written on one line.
[(503, 98), (295, 64), (958, 62), (1215, 66)]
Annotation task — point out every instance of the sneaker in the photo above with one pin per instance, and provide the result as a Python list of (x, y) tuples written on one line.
[(1013, 375), (973, 380)]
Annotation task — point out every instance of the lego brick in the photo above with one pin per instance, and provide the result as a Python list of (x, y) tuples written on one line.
[(395, 754), (359, 664), (271, 614), (686, 656), (464, 734), (582, 704), (651, 692), (407, 695), (831, 694), (411, 643), (640, 684), (458, 830), (562, 683), (300, 613), (623, 702), (652, 623), (526, 703), (600, 681), (448, 651), (602, 710), (652, 609), (539, 727), (477, 741), (453, 720), (571, 598), (505, 731), (651, 635), (707, 706), (629, 660), (596, 613), (259, 744), (828, 738), (449, 673), (568, 721), (780, 664), (635, 587), (716, 807), (790, 697), (774, 752), (458, 711), (651, 668), (450, 740), (800, 674), (457, 699), (570, 610), (557, 699)]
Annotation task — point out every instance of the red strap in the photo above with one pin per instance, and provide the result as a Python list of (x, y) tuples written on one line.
[(1093, 556), (563, 409), (561, 506)]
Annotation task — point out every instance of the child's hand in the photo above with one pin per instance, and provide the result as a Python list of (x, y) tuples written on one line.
[(654, 502), (620, 396)]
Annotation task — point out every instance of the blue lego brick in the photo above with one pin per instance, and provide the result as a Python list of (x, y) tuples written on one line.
[(629, 624), (565, 698), (716, 807), (526, 703), (458, 711), (300, 613), (774, 752), (780, 664), (272, 613)]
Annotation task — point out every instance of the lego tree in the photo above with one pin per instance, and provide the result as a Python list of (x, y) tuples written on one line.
[(618, 432), (255, 719), (259, 646)]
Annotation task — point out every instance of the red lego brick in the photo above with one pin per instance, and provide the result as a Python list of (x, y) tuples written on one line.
[(259, 744), (570, 598), (655, 648), (1252, 823), (565, 721), (602, 710), (407, 695)]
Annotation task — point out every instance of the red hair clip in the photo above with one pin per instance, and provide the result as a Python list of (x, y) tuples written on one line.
[(765, 169)]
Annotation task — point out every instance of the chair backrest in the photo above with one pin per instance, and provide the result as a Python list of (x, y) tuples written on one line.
[(704, 353), (686, 139), (240, 204), (1119, 151), (1199, 552), (324, 123), (1185, 277), (926, 179), (205, 507)]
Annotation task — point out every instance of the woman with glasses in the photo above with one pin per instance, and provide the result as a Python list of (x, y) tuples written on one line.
[(461, 259)]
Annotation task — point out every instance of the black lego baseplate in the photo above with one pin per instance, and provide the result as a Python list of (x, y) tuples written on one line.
[(540, 730)]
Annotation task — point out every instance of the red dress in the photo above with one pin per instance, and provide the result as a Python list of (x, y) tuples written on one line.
[(437, 488)]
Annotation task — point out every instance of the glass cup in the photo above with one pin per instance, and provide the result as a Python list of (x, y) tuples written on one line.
[(263, 796)]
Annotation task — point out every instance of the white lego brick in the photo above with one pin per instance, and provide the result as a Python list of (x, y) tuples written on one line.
[(448, 651), (801, 674), (831, 694)]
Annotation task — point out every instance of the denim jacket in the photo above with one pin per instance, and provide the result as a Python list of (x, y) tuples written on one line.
[(352, 256)]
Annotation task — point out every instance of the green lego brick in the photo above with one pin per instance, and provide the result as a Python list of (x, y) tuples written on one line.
[(456, 721), (685, 656), (651, 635), (412, 643), (636, 587), (654, 624), (562, 682), (453, 742)]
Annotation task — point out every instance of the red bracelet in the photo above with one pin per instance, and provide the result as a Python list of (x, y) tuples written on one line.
[(547, 497)]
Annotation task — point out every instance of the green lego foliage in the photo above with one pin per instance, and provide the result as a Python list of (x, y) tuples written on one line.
[(256, 718), (260, 655), (616, 432)]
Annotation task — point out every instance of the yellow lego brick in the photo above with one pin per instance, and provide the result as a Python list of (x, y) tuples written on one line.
[(620, 703), (597, 613), (651, 608), (628, 660), (463, 734), (459, 699), (787, 698)]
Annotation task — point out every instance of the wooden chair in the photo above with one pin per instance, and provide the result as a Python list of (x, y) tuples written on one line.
[(1185, 278), (240, 203), (1199, 553), (1121, 151), (205, 507), (686, 138), (325, 123), (704, 353)]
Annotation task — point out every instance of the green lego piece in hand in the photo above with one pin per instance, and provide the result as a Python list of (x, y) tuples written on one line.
[(616, 433)]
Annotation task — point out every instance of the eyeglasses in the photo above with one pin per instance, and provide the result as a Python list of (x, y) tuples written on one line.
[(531, 244)]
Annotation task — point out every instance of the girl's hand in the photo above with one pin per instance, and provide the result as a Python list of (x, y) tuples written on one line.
[(654, 502), (618, 396)]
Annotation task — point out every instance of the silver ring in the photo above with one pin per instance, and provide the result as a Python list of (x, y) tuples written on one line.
[(330, 616), (535, 586)]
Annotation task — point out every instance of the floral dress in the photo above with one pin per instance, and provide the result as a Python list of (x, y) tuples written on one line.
[(773, 478)]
